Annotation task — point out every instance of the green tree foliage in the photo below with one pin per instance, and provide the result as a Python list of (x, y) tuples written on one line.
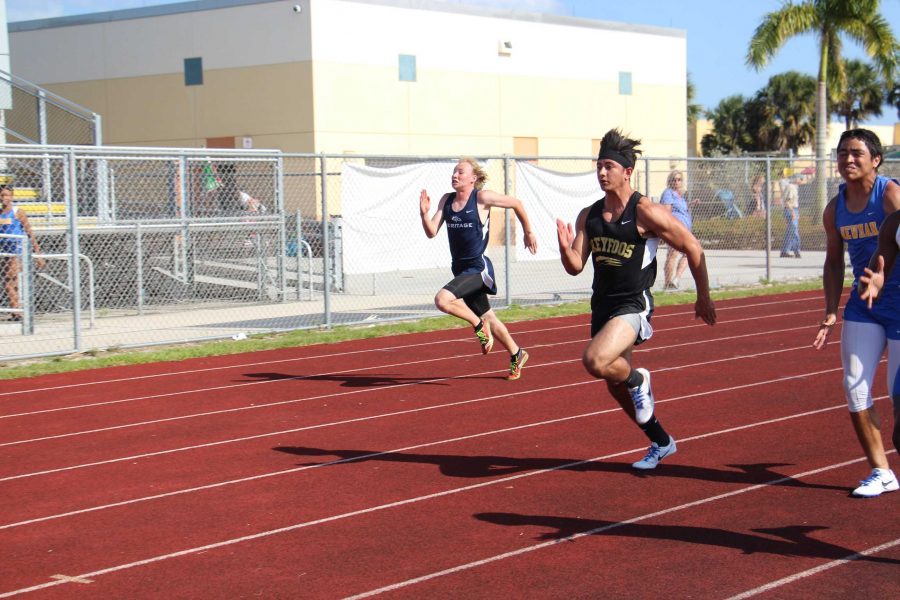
[(786, 112), (862, 97), (694, 110), (730, 131), (828, 20)]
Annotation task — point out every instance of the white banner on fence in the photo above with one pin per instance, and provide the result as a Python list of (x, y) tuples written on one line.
[(381, 224), (550, 195)]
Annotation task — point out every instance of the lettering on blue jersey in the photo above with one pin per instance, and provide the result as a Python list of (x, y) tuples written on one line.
[(607, 245), (859, 230), (456, 223)]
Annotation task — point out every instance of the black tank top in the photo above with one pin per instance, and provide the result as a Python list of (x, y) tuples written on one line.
[(624, 262)]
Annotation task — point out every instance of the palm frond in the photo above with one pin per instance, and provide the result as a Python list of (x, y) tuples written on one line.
[(776, 28)]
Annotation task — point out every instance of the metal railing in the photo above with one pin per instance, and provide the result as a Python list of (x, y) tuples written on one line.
[(34, 115), (175, 256)]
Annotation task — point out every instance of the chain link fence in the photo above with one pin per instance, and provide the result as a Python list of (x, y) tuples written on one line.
[(30, 114), (159, 246)]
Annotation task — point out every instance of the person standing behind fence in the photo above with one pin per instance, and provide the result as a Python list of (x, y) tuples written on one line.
[(467, 212), (14, 221), (854, 217), (674, 199), (790, 199), (619, 234), (759, 197)]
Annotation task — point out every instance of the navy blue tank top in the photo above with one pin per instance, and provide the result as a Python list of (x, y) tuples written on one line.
[(468, 236)]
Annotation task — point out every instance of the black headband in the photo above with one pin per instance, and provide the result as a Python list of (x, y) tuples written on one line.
[(616, 156)]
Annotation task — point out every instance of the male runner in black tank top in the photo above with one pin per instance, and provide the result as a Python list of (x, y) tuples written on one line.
[(467, 211), (621, 233)]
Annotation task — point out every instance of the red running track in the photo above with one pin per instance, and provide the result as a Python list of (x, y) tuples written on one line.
[(407, 467)]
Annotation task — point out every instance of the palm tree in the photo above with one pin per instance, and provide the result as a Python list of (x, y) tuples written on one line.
[(827, 19), (894, 98), (788, 104), (862, 97), (693, 110), (730, 134)]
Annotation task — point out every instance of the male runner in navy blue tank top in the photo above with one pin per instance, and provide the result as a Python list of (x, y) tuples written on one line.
[(620, 233), (467, 212)]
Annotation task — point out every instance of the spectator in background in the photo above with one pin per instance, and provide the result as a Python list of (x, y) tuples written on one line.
[(673, 198), (790, 199), (14, 221), (251, 205), (759, 199)]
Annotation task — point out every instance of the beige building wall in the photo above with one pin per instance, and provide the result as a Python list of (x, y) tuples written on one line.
[(326, 79)]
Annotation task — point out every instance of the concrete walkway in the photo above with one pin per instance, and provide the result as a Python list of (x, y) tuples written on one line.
[(367, 299)]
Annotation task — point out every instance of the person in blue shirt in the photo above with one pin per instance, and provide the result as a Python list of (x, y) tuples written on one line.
[(467, 213), (13, 221), (853, 219), (673, 198)]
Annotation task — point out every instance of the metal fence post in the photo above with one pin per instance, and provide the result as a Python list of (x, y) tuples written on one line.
[(768, 219), (74, 250), (139, 241), (297, 232), (98, 129), (507, 241), (26, 277), (326, 250), (42, 117), (281, 256), (647, 177)]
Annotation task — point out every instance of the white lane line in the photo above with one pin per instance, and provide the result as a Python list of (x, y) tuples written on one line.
[(816, 570), (376, 367), (484, 484), (68, 579), (355, 392), (394, 451), (383, 349), (595, 531)]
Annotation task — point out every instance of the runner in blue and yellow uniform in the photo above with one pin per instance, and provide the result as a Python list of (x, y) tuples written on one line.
[(467, 213), (13, 221), (620, 233), (854, 217)]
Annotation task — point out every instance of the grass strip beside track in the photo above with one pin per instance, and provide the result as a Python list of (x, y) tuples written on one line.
[(96, 359)]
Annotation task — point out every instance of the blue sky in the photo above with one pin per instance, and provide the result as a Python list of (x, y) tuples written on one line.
[(718, 32)]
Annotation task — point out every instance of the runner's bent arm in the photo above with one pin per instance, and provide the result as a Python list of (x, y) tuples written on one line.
[(832, 274), (655, 218), (489, 199), (26, 226), (431, 224), (883, 260), (574, 247)]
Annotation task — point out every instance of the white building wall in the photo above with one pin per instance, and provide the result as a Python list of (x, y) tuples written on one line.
[(374, 34)]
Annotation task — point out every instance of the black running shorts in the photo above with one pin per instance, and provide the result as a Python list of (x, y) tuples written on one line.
[(470, 287)]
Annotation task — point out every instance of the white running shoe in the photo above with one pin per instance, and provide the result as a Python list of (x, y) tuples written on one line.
[(655, 454), (880, 481), (642, 396)]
